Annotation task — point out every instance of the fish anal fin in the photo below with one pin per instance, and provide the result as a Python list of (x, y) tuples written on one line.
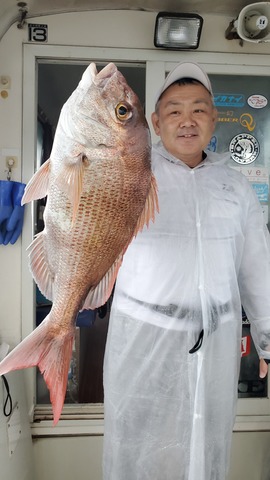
[(52, 355), (99, 295), (151, 206), (37, 186), (70, 180), (39, 266)]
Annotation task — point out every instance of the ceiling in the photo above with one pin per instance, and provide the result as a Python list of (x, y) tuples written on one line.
[(52, 75), (10, 9)]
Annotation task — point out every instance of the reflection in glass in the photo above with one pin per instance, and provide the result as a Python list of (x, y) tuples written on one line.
[(250, 385)]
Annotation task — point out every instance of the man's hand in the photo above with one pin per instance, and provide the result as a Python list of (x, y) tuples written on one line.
[(263, 368)]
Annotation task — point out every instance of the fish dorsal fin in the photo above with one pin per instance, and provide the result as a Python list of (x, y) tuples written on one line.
[(99, 295), (70, 180), (150, 207), (37, 187), (39, 266)]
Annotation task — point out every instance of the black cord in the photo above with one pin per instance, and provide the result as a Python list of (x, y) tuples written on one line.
[(8, 398)]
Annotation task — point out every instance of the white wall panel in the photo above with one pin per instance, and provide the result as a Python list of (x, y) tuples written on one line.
[(16, 451)]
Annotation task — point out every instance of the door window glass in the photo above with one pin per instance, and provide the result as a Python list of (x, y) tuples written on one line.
[(242, 128)]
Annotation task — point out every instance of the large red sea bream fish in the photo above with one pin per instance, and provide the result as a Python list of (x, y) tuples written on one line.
[(100, 192)]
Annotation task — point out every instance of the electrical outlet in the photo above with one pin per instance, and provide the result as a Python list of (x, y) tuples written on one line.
[(11, 161)]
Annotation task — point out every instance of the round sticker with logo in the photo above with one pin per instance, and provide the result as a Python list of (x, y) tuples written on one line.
[(244, 148), (257, 101)]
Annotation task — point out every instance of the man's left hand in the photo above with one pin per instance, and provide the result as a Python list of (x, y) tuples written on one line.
[(263, 368)]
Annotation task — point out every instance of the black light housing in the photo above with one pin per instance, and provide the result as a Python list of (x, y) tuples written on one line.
[(178, 31)]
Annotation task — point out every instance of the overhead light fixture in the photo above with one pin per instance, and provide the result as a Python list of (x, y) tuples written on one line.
[(252, 24), (177, 31)]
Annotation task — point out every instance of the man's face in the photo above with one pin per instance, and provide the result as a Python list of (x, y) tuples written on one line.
[(185, 121)]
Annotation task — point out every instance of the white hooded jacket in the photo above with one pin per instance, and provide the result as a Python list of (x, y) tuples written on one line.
[(173, 349)]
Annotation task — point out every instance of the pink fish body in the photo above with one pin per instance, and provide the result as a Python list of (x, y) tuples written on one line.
[(100, 192)]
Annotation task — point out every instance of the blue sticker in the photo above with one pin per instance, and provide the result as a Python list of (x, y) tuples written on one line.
[(262, 190), (212, 145), (229, 100)]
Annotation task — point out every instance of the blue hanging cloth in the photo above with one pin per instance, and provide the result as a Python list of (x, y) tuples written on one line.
[(11, 211)]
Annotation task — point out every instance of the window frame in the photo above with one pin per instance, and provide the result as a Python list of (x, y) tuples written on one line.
[(252, 414)]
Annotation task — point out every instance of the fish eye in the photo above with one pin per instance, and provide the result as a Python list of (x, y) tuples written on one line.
[(123, 111)]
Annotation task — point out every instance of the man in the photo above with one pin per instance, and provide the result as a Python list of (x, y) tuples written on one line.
[(173, 348)]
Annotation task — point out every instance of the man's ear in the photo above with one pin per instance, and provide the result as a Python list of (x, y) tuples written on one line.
[(155, 122)]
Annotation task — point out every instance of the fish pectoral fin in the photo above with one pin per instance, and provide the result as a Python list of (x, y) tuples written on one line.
[(99, 295), (52, 354), (37, 186), (39, 266), (70, 180), (151, 206)]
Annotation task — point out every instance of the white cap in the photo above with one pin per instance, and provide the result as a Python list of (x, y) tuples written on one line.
[(186, 70)]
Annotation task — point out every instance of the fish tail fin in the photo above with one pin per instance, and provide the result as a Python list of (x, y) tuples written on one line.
[(51, 353)]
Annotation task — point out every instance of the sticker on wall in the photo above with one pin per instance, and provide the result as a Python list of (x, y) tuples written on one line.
[(254, 174), (257, 101), (225, 113), (212, 145), (246, 119), (227, 117), (259, 180), (37, 32), (229, 100), (244, 148), (262, 191)]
